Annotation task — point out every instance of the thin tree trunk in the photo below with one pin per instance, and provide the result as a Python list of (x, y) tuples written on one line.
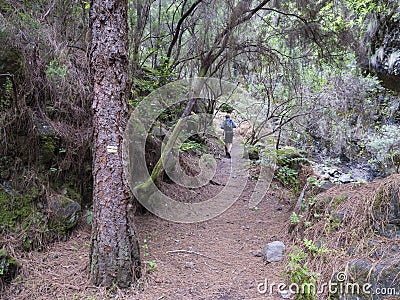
[(114, 257)]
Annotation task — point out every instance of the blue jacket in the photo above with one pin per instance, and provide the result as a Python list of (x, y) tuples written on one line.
[(225, 122)]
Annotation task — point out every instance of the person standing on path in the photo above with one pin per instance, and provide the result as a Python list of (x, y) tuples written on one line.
[(228, 126)]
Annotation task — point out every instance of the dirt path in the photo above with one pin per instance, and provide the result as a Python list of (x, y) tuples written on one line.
[(218, 261), (214, 259)]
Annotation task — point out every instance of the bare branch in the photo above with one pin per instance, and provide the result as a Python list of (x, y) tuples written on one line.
[(179, 25), (221, 40)]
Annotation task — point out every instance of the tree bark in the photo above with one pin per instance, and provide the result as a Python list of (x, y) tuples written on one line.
[(114, 257)]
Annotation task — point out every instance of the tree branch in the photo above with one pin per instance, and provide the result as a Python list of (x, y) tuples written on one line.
[(179, 25), (221, 40), (303, 20)]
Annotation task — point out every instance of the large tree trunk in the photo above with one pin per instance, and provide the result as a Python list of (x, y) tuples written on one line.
[(114, 248)]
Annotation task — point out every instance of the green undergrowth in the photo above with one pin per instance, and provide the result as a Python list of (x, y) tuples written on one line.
[(290, 162), (23, 216), (16, 209)]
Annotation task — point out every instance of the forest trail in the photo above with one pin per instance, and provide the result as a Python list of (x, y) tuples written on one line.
[(323, 79), (215, 259)]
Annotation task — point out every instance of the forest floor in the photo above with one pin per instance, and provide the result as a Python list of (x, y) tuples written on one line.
[(215, 259)]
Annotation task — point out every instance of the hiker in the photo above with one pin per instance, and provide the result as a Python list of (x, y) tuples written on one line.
[(228, 126)]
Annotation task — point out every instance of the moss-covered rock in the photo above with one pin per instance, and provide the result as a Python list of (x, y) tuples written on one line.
[(348, 284), (253, 152), (39, 223), (8, 266), (385, 277), (291, 157), (362, 280), (64, 213)]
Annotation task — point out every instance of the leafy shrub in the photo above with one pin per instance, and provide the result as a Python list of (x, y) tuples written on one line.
[(192, 145), (287, 176), (55, 71), (315, 249), (226, 107), (152, 265), (299, 274), (294, 218), (291, 157), (253, 152)]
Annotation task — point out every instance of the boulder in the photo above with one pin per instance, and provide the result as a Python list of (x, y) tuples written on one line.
[(366, 280), (274, 251), (64, 213), (357, 274), (345, 178), (386, 276)]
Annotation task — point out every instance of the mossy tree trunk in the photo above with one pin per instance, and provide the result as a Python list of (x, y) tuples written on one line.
[(114, 257)]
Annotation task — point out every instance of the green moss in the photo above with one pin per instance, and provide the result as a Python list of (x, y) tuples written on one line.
[(8, 266), (3, 253), (48, 142), (15, 209), (58, 228), (18, 214)]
